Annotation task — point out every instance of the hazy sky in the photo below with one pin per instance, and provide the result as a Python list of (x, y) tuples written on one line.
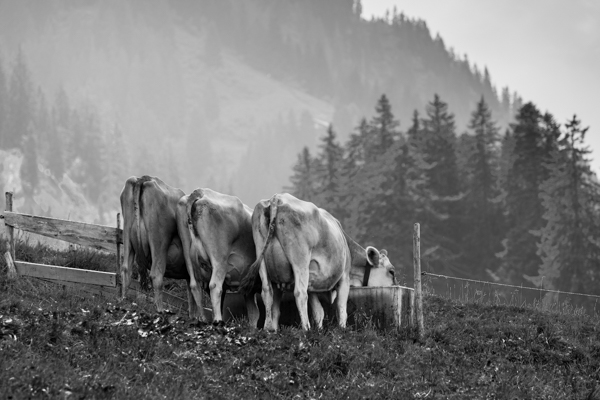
[(546, 50)]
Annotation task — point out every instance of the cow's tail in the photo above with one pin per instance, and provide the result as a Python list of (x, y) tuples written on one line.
[(195, 195), (141, 256), (249, 280)]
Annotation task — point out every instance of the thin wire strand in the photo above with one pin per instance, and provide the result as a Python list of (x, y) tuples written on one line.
[(511, 286)]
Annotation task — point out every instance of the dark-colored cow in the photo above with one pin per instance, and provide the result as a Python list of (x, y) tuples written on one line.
[(301, 245), (149, 208), (216, 233)]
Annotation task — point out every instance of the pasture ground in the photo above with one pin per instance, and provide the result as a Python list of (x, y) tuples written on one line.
[(58, 343)]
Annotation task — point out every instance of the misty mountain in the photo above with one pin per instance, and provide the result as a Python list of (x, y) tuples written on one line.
[(224, 93)]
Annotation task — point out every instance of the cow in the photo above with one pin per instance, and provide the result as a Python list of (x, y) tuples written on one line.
[(150, 237), (216, 233), (302, 246)]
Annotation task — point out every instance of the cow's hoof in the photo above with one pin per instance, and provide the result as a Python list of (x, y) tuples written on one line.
[(198, 324), (218, 323)]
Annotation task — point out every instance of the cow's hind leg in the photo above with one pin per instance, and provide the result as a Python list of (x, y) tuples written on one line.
[(300, 259), (252, 310), (217, 278), (277, 293), (343, 291), (128, 259), (267, 296), (192, 306), (157, 273), (318, 313)]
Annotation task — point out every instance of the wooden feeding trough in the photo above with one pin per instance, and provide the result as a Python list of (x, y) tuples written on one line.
[(390, 307)]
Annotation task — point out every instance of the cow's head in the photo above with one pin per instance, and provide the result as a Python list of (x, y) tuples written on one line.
[(383, 272)]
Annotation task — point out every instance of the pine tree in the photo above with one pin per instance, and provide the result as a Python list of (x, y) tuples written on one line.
[(384, 127), (482, 215), (569, 247), (304, 176), (74, 145), (43, 125), (29, 168), (328, 173), (55, 156), (21, 104), (3, 107), (92, 155), (360, 183), (387, 216), (116, 171), (59, 135), (438, 149), (533, 142)]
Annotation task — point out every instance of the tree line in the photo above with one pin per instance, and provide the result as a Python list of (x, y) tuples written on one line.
[(61, 140), (518, 206), (333, 53)]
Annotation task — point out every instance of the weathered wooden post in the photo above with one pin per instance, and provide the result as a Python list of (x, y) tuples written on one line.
[(118, 242), (9, 229), (9, 256), (418, 291)]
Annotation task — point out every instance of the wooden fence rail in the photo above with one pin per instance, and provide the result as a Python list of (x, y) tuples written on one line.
[(95, 236)]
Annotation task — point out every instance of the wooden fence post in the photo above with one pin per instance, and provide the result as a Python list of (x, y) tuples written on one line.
[(9, 256), (120, 290), (9, 229), (417, 271), (118, 244), (12, 271)]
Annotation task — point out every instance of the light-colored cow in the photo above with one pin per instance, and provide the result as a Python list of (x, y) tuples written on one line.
[(302, 246), (149, 208), (216, 232)]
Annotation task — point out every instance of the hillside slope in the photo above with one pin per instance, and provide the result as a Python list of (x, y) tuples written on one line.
[(209, 84), (58, 343)]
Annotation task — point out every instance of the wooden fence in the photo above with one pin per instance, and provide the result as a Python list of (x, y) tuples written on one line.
[(99, 237)]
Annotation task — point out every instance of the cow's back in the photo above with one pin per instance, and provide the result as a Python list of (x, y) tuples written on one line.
[(304, 230), (222, 226), (156, 204)]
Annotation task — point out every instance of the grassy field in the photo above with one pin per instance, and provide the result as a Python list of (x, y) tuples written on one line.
[(58, 343)]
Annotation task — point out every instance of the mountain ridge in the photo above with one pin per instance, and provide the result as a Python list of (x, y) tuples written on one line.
[(211, 82)]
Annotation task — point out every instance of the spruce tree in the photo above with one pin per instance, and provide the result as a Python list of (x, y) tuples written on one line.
[(328, 173), (20, 105), (3, 107), (482, 215), (55, 152), (116, 171), (304, 176), (438, 148), (29, 172), (360, 183), (383, 127), (533, 143), (569, 247), (93, 148), (354, 159), (59, 135), (43, 125)]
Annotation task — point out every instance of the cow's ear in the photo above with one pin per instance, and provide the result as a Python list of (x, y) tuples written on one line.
[(383, 252), (373, 256)]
